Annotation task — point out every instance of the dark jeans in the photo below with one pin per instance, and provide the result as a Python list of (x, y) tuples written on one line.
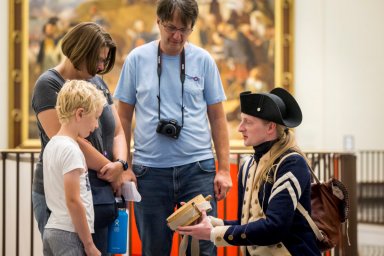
[(161, 190)]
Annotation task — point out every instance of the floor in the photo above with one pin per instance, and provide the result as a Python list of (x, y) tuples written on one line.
[(371, 240)]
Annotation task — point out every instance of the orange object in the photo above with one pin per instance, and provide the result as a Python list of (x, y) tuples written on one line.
[(226, 209)]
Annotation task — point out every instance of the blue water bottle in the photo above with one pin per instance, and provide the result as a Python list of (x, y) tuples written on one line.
[(117, 230)]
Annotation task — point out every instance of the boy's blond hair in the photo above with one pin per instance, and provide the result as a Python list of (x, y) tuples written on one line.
[(77, 94)]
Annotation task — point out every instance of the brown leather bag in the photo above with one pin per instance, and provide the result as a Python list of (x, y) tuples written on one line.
[(329, 203), (329, 209)]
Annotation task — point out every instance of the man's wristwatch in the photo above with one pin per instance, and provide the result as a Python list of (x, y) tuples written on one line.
[(124, 163)]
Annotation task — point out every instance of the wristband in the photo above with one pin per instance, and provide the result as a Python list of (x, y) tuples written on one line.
[(124, 163)]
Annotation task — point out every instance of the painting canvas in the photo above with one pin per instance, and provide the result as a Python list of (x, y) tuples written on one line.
[(245, 38)]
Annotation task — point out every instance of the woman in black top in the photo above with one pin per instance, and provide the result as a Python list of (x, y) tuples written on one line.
[(89, 51)]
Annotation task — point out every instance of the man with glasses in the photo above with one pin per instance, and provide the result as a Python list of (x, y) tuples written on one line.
[(175, 90)]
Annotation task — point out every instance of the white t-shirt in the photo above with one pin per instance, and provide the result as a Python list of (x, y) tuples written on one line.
[(62, 155)]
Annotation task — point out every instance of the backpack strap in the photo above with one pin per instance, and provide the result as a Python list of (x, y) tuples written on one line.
[(195, 249), (291, 154), (301, 209), (281, 161), (311, 223)]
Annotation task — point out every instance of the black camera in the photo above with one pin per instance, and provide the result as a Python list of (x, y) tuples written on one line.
[(169, 128)]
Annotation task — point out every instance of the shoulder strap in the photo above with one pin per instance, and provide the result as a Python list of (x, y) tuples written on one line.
[(301, 209), (195, 248), (291, 154), (281, 161), (311, 223)]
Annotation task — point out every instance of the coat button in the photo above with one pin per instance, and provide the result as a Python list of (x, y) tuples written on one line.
[(230, 237), (218, 239), (243, 236), (256, 201), (244, 202), (261, 213), (247, 189), (242, 216), (279, 245), (249, 175)]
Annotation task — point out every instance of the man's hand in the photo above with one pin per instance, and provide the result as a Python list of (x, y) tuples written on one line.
[(222, 184), (201, 231)]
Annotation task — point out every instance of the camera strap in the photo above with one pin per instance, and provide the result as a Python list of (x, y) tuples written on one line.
[(182, 79)]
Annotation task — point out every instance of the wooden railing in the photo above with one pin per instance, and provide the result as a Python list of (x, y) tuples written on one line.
[(370, 190), (19, 234)]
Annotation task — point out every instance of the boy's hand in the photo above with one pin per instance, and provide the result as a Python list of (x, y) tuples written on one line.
[(92, 251)]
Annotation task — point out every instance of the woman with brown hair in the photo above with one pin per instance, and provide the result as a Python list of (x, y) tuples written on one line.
[(89, 52)]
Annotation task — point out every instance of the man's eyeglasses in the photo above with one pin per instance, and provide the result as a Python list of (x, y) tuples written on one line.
[(172, 29)]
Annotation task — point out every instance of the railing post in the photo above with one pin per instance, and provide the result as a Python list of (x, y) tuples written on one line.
[(348, 177), (3, 159)]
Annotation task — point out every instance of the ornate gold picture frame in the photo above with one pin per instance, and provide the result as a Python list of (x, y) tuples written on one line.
[(250, 40)]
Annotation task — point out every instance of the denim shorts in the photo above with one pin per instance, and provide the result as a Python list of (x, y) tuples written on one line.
[(60, 242)]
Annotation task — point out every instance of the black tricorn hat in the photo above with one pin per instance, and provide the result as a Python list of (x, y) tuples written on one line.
[(278, 106)]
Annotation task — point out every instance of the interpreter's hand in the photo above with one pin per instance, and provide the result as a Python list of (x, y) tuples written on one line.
[(201, 231), (91, 250), (111, 172), (222, 184)]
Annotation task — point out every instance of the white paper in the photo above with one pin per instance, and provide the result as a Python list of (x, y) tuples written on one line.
[(130, 192)]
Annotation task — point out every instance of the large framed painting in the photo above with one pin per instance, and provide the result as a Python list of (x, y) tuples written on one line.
[(250, 40)]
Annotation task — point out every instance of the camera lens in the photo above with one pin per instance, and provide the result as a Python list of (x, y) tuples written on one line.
[(170, 129)]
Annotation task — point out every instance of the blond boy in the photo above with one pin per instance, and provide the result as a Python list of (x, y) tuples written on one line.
[(66, 184)]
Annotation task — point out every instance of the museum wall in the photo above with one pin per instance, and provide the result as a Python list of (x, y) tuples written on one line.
[(338, 73)]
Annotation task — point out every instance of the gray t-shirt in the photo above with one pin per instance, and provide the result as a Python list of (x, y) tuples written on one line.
[(44, 97)]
